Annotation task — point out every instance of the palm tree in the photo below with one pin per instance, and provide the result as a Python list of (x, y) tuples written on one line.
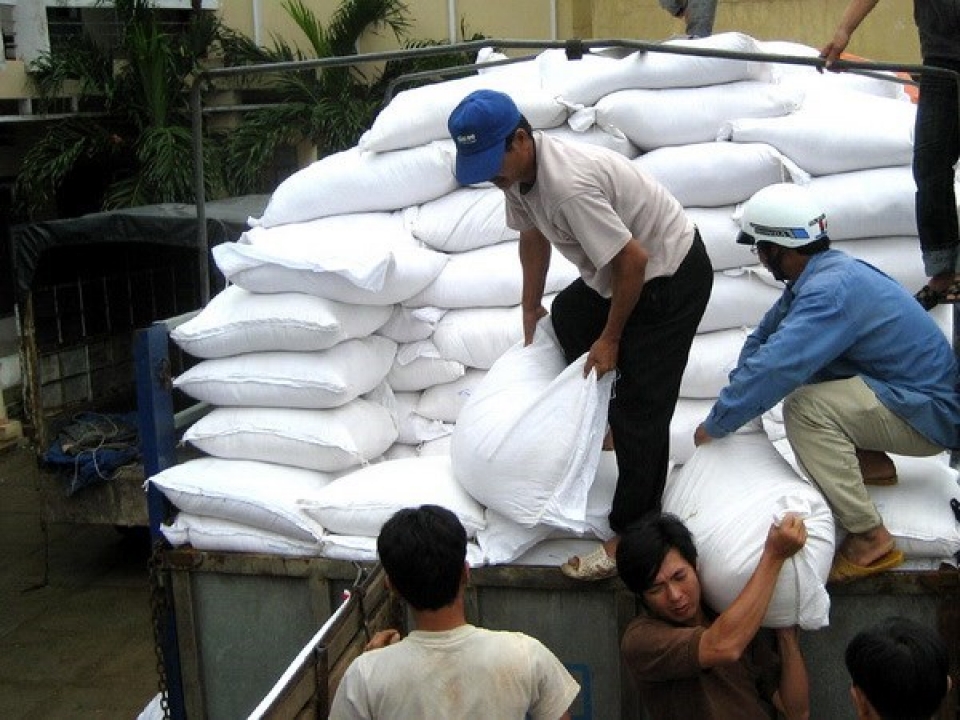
[(134, 124), (133, 133), (328, 108)]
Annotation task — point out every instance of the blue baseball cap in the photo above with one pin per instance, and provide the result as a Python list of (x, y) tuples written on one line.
[(480, 126)]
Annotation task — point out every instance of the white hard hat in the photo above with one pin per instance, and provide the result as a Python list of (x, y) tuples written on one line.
[(783, 214)]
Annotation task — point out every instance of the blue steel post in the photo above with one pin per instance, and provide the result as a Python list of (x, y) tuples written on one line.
[(158, 445)]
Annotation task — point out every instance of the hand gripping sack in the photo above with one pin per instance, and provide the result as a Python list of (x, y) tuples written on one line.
[(527, 442), (728, 494)]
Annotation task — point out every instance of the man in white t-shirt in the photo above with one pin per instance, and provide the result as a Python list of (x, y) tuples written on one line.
[(446, 669), (645, 279)]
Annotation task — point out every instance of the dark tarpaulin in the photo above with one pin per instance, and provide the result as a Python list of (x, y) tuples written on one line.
[(170, 224)]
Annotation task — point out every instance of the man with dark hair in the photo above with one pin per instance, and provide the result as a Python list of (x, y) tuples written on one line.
[(446, 668), (645, 280), (861, 368), (900, 671), (690, 662)]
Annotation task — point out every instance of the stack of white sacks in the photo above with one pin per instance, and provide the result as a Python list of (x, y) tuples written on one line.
[(349, 363)]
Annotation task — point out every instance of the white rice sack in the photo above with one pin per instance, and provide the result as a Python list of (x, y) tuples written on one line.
[(813, 82), (851, 132), (260, 495), (593, 134), (328, 440), (502, 540), (488, 277), (351, 548), (444, 402), (739, 299), (323, 379), (429, 448), (373, 276), (712, 357), (600, 499), (526, 72), (400, 451), (736, 171), (236, 321), (334, 233), (916, 510), (414, 428), (360, 549), (419, 365), (466, 219), (419, 115), (411, 324), (219, 535), (361, 502), (436, 448), (587, 80), (868, 203), (689, 413), (898, 257), (353, 181), (477, 337), (682, 116), (719, 231), (529, 401), (357, 269), (728, 494)]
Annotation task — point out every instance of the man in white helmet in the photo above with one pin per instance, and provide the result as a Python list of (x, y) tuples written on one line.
[(859, 365)]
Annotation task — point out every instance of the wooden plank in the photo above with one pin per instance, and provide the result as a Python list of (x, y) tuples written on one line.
[(298, 695), (259, 564), (307, 681)]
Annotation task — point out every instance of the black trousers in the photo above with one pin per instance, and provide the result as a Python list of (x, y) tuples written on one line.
[(653, 354)]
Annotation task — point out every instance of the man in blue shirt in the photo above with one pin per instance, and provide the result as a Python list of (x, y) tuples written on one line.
[(858, 363)]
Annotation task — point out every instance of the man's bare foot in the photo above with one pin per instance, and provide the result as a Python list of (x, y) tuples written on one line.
[(865, 548)]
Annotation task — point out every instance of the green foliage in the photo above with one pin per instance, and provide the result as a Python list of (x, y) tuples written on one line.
[(330, 107), (139, 130), (62, 148), (137, 127)]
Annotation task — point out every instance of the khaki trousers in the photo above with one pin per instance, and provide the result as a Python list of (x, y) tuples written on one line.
[(825, 422)]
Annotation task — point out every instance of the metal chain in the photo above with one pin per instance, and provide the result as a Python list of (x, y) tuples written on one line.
[(158, 614)]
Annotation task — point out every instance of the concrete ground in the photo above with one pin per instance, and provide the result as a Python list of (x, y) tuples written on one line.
[(75, 631)]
